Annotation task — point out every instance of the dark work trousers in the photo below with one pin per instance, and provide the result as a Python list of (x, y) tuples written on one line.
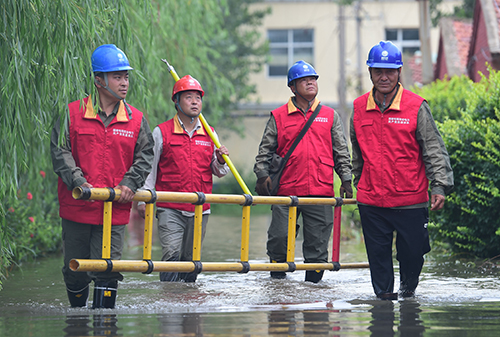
[(317, 221), (84, 241), (176, 237), (412, 243)]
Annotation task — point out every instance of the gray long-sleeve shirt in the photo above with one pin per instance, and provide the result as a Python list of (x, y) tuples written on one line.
[(269, 145), (65, 166), (217, 168)]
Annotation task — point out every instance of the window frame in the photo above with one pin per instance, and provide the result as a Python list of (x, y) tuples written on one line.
[(401, 43), (290, 46)]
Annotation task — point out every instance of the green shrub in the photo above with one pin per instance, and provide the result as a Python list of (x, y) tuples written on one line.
[(30, 225), (469, 221), (447, 98)]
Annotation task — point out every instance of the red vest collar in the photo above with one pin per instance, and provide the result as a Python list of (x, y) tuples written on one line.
[(396, 104), (90, 113)]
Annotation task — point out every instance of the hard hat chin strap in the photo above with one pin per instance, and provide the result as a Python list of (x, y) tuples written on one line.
[(107, 86), (309, 102), (390, 92), (385, 96), (180, 109)]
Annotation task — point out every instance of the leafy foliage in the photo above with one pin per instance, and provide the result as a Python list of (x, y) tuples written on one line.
[(451, 105), (465, 10), (46, 47), (213, 41), (30, 227), (469, 221)]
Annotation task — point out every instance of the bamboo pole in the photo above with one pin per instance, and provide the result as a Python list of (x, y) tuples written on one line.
[(84, 265), (198, 228), (245, 233), (84, 193), (292, 227), (148, 232), (106, 230)]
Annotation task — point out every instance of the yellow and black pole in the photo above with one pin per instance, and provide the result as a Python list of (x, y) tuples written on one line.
[(212, 136), (147, 266)]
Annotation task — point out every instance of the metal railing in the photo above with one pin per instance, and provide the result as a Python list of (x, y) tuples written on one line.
[(146, 265)]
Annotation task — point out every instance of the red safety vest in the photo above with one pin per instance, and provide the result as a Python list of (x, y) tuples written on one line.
[(309, 171), (185, 163), (104, 154), (393, 170)]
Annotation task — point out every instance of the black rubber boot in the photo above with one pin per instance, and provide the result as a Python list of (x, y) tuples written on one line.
[(169, 276), (188, 277), (388, 296), (407, 286), (78, 298), (278, 275), (407, 293), (314, 276), (105, 294)]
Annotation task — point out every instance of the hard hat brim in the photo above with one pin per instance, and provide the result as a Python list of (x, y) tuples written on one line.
[(306, 75), (385, 65)]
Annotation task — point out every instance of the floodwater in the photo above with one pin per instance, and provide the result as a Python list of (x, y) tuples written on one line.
[(454, 298)]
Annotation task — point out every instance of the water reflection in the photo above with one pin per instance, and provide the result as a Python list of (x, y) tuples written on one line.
[(410, 323), (405, 315), (188, 324), (382, 323), (385, 319), (105, 325), (303, 323), (282, 323), (317, 323), (78, 326), (102, 325)]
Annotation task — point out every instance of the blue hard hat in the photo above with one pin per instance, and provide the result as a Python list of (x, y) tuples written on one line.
[(384, 55), (108, 57), (300, 69)]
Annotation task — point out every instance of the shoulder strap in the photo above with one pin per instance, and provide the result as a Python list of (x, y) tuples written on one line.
[(301, 134)]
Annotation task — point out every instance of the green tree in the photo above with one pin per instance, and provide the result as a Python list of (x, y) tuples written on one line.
[(46, 46), (465, 10), (214, 41)]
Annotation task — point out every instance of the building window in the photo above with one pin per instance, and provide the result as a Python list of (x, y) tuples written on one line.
[(288, 46), (407, 40)]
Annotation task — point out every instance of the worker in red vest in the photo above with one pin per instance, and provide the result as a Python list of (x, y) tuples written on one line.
[(309, 171), (396, 150), (106, 143), (185, 158)]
